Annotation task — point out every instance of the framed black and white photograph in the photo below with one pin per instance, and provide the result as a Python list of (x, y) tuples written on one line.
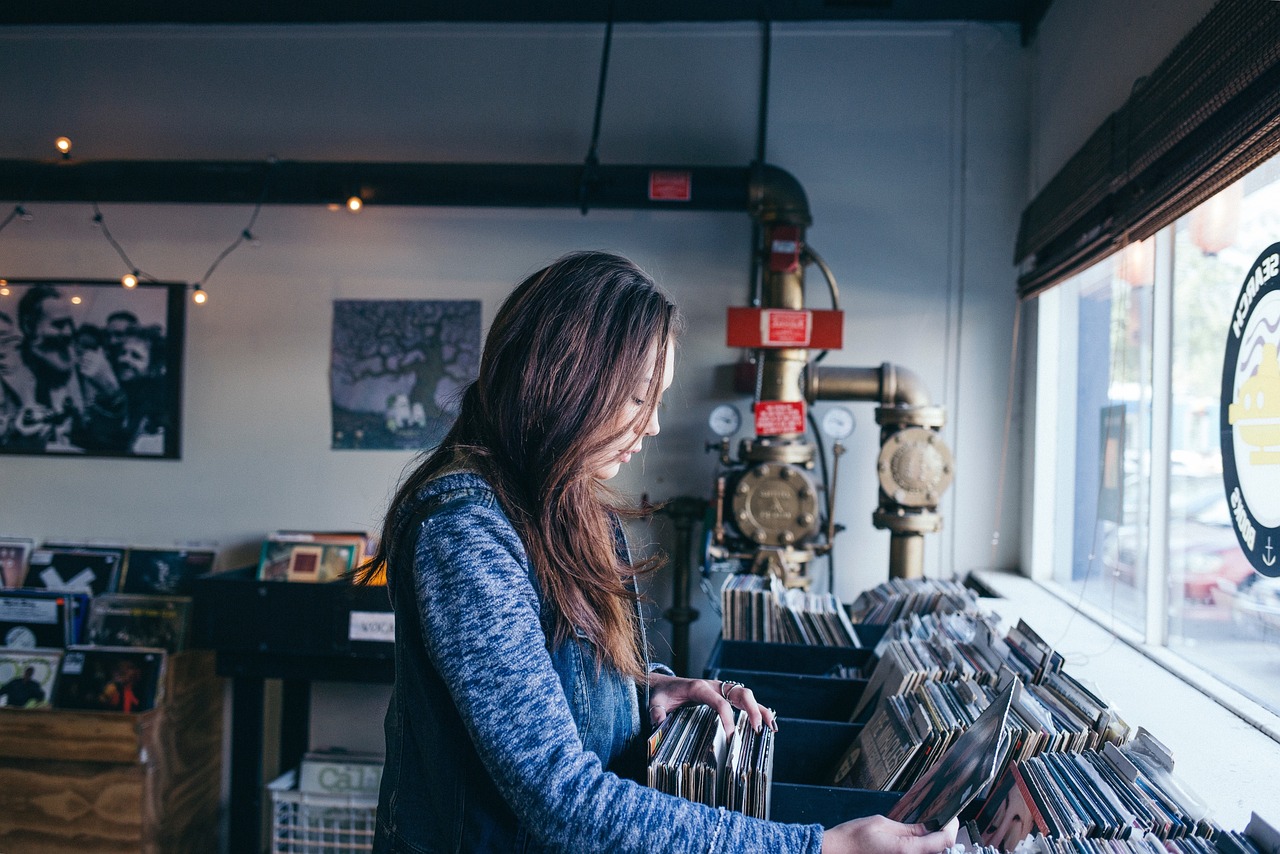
[(91, 368), (398, 370)]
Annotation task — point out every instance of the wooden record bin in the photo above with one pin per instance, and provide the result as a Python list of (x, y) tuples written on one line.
[(108, 782)]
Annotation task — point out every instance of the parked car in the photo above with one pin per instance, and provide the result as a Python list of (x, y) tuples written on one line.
[(1203, 549), (1255, 602)]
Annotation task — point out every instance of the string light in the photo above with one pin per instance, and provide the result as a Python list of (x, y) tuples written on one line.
[(75, 300), (354, 204), (4, 287), (132, 278)]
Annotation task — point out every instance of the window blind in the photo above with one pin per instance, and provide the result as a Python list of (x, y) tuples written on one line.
[(1207, 115)]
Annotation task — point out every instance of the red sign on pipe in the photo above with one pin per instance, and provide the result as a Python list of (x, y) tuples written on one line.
[(776, 417), (756, 328), (670, 186)]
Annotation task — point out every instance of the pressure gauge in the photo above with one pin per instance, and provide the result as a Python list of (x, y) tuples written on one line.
[(725, 420), (837, 423)]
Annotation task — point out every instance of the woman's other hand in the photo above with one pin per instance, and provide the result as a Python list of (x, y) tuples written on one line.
[(879, 835), (668, 693)]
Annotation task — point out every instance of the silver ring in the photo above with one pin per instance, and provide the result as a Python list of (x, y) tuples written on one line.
[(726, 688)]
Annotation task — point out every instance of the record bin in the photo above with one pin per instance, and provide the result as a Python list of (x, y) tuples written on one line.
[(311, 823), (786, 657), (237, 613), (816, 698)]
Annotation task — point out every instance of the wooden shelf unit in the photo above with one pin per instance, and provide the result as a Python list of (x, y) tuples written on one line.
[(108, 782)]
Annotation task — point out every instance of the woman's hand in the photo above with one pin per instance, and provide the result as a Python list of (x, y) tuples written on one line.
[(879, 835), (668, 693)]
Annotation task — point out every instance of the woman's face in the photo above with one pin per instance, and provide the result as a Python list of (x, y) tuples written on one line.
[(629, 443)]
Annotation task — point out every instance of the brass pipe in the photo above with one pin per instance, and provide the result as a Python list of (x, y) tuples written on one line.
[(906, 555), (888, 385)]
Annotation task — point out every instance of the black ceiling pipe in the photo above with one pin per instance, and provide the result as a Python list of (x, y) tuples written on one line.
[(763, 191)]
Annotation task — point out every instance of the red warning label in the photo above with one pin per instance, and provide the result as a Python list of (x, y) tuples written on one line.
[(670, 186), (776, 417), (785, 327)]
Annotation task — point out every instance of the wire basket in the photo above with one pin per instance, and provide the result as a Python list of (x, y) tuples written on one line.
[(307, 823)]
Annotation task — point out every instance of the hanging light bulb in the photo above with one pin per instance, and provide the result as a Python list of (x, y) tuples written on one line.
[(4, 287), (130, 280), (63, 144), (76, 300), (354, 204), (198, 296)]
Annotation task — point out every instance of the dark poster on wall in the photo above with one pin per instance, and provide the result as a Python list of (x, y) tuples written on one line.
[(91, 368), (398, 370)]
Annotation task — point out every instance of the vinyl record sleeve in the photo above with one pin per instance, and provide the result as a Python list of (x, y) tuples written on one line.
[(963, 771), (27, 677), (165, 572), (90, 571), (34, 618), (109, 679), (15, 552), (122, 619)]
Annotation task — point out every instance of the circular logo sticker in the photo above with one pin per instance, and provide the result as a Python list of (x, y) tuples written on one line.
[(1250, 414)]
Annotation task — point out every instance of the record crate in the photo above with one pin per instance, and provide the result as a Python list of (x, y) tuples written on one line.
[(312, 823), (75, 782)]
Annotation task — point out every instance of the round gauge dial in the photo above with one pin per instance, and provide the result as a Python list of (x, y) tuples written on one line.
[(725, 420), (837, 422)]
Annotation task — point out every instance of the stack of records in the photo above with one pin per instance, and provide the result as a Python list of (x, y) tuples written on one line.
[(899, 597), (1228, 842), (748, 771), (759, 608), (690, 757), (1116, 793), (906, 735), (687, 753), (956, 646)]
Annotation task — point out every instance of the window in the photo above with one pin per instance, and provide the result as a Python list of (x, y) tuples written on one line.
[(1129, 376)]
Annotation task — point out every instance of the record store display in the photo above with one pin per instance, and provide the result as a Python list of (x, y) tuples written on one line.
[(759, 608)]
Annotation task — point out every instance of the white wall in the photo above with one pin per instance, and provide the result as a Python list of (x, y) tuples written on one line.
[(909, 139)]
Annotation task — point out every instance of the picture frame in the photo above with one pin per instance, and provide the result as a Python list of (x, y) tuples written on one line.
[(89, 367)]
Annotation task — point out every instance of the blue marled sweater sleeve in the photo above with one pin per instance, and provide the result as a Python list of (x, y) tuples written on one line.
[(480, 617)]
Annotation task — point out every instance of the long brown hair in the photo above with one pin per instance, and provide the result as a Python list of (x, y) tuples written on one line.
[(564, 356)]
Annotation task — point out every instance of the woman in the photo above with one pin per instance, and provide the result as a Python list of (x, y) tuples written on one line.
[(520, 654)]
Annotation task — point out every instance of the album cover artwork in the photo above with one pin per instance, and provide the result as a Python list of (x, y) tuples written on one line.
[(166, 572), (109, 679), (14, 554), (35, 618), (122, 619), (81, 570), (27, 677), (307, 557)]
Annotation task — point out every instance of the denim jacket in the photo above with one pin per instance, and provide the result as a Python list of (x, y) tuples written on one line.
[(495, 743)]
